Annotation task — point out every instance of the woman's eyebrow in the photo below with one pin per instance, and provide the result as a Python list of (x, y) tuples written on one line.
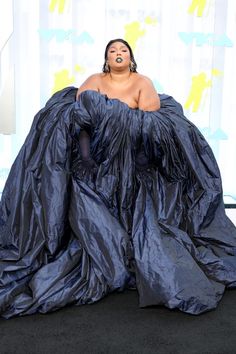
[(123, 46)]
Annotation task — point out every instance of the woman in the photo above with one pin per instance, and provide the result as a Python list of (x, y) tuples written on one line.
[(111, 191), (120, 79)]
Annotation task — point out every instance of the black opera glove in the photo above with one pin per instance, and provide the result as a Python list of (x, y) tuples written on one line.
[(87, 167), (84, 145)]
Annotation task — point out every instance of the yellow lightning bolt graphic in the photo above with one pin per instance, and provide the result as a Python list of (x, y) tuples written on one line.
[(57, 3), (198, 5)]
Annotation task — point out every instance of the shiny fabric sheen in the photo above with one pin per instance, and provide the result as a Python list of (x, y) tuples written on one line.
[(149, 215)]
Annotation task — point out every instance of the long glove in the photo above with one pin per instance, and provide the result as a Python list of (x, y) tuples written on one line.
[(84, 145), (88, 167)]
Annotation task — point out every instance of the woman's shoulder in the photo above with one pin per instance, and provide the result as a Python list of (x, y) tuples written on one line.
[(148, 97), (91, 83), (142, 79), (95, 77)]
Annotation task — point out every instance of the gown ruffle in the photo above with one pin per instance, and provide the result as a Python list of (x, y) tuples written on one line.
[(148, 215)]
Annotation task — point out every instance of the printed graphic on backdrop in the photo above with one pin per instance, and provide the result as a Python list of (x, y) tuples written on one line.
[(198, 7), (200, 84), (135, 30), (201, 39), (58, 5)]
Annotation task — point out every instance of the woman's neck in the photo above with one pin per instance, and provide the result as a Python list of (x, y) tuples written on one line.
[(121, 76)]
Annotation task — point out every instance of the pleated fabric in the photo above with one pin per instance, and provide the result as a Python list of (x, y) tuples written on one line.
[(148, 214)]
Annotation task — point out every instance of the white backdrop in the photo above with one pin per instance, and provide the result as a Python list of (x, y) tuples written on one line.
[(187, 47)]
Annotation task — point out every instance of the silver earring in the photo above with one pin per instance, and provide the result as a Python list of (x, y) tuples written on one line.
[(132, 66), (107, 67)]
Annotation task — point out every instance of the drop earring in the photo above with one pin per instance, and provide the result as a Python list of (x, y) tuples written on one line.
[(107, 67), (132, 66)]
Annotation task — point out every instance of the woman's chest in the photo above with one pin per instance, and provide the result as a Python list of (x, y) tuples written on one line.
[(127, 93)]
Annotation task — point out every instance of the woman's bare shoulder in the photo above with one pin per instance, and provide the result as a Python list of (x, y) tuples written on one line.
[(91, 83), (148, 97), (94, 78), (143, 80)]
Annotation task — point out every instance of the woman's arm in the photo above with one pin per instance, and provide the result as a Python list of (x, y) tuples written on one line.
[(148, 97), (90, 84)]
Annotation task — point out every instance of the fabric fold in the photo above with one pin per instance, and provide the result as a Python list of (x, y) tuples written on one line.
[(148, 214)]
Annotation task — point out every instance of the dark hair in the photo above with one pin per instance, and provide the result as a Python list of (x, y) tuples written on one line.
[(134, 64)]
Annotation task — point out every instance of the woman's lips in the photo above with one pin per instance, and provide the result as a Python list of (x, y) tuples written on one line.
[(119, 60)]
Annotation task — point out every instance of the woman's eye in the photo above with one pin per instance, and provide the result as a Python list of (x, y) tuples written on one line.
[(124, 50), (112, 51)]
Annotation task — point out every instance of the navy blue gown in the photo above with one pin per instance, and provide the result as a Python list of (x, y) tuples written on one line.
[(148, 215)]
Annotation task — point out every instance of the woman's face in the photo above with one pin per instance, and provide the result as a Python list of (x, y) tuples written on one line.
[(118, 50)]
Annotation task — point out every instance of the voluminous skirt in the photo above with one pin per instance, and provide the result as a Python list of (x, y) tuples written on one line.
[(147, 214)]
